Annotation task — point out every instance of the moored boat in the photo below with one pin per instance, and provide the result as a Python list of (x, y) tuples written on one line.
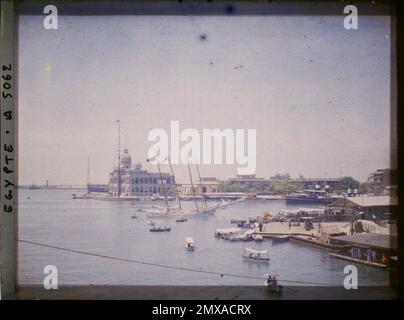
[(257, 237), (280, 239), (310, 197), (160, 229), (226, 231), (252, 255)]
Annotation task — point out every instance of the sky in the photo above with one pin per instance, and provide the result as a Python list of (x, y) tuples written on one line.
[(317, 94)]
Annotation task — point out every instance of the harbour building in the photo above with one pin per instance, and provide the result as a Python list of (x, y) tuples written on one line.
[(136, 181), (383, 182), (206, 185), (366, 207)]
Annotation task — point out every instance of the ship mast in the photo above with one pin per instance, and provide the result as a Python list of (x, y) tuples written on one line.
[(200, 183), (176, 187), (88, 174), (192, 187), (119, 159), (164, 187)]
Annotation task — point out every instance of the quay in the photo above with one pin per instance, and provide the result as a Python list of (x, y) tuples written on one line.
[(347, 258), (335, 236)]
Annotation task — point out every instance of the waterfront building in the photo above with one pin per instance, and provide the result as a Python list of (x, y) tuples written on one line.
[(369, 248), (250, 182), (136, 181), (364, 207), (381, 181), (206, 185)]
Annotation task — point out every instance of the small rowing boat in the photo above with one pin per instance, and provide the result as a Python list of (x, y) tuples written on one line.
[(189, 244), (160, 229), (280, 239), (252, 255)]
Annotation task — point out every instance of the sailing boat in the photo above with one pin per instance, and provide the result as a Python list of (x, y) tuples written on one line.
[(206, 211), (178, 211)]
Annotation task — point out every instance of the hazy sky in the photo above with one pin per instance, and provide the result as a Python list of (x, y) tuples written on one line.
[(317, 94)]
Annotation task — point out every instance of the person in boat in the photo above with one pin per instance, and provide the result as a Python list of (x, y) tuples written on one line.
[(269, 281), (260, 226), (272, 282), (258, 256)]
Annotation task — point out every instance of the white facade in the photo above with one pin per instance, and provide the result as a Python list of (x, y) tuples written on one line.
[(136, 181)]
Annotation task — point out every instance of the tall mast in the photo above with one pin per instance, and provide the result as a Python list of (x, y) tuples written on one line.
[(119, 159), (200, 183), (176, 187), (192, 187), (164, 187), (88, 174)]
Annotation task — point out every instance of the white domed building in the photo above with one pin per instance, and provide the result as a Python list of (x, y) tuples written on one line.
[(136, 181)]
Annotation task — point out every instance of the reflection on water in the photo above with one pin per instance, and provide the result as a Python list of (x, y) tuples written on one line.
[(103, 227)]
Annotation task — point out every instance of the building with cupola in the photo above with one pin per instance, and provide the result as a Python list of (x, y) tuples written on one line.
[(136, 181)]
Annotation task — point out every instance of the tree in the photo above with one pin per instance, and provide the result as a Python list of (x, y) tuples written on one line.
[(347, 183)]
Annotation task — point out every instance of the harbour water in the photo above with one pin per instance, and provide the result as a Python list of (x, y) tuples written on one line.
[(53, 218)]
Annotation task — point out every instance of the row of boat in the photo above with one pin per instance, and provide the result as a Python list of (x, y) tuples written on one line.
[(237, 234)]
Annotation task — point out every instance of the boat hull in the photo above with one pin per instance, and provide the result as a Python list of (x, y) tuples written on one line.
[(261, 260), (160, 229), (280, 239), (293, 199)]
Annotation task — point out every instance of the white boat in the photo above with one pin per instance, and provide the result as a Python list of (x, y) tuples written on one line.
[(280, 238), (257, 237), (189, 244), (242, 236), (236, 237), (205, 212), (226, 231), (255, 255)]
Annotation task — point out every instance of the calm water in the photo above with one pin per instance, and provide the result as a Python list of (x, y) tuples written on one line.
[(103, 227)]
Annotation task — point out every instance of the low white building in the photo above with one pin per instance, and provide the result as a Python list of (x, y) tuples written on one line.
[(206, 185)]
